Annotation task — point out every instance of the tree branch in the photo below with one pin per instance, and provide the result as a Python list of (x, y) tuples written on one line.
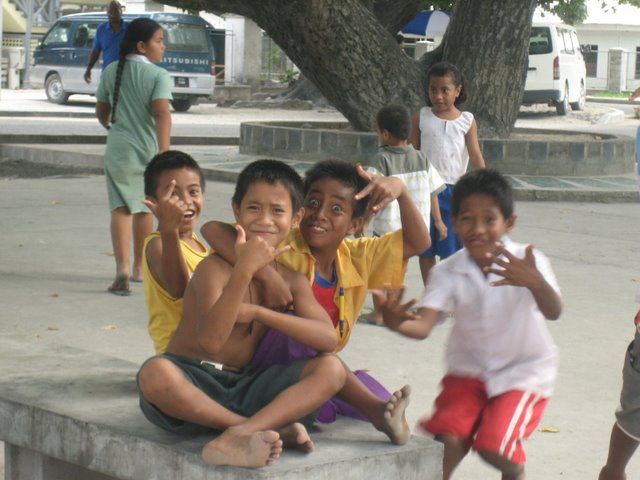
[(394, 15)]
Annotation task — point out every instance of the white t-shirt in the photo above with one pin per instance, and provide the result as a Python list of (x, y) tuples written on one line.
[(444, 143), (499, 334)]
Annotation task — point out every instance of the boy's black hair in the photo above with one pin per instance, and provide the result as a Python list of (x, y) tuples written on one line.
[(486, 181), (345, 173), (441, 69), (396, 120), (169, 160), (271, 172)]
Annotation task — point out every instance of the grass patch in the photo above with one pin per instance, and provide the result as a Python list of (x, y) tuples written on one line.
[(604, 94)]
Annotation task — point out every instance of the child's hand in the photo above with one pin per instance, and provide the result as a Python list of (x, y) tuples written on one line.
[(169, 210), (442, 228), (519, 272), (393, 312), (276, 293), (255, 253), (381, 191)]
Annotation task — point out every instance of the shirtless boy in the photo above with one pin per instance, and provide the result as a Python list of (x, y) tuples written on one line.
[(204, 382)]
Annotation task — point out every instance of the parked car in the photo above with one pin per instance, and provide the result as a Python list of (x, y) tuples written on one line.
[(556, 73), (61, 57)]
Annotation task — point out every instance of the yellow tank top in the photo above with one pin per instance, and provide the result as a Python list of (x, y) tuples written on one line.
[(165, 311)]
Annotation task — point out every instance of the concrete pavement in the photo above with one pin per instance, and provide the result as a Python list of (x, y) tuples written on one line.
[(55, 264)]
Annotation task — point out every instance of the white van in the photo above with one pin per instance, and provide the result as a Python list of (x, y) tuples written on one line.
[(556, 74)]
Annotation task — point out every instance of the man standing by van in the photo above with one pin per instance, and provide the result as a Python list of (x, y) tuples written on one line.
[(107, 40)]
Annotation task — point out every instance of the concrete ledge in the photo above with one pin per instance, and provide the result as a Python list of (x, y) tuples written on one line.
[(231, 93), (67, 410), (528, 152), (102, 139), (45, 154)]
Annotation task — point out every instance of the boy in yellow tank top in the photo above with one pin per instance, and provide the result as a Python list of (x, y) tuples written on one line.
[(174, 186)]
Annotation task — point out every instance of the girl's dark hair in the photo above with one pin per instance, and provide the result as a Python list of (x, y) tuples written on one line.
[(441, 69), (139, 30)]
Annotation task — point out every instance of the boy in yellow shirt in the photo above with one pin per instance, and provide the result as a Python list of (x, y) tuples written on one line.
[(174, 187)]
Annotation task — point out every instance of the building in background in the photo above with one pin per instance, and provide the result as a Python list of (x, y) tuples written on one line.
[(607, 31)]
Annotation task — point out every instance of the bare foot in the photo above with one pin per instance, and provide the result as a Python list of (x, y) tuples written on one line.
[(395, 424), (296, 436), (240, 449), (136, 276)]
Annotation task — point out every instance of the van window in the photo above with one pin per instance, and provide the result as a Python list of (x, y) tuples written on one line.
[(566, 41), (58, 34), (84, 35), (540, 41), (186, 38)]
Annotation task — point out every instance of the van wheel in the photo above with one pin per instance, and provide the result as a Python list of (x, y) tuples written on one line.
[(181, 104), (562, 107), (579, 105), (53, 89)]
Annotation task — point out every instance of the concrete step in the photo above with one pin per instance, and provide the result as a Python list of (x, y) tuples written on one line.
[(224, 163), (69, 413)]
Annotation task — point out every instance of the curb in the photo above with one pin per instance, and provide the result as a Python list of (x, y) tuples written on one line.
[(520, 194), (102, 139), (46, 114), (93, 163)]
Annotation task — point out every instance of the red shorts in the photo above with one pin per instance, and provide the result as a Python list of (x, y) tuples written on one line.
[(498, 424)]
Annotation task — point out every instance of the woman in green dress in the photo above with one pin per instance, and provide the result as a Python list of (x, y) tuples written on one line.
[(133, 104)]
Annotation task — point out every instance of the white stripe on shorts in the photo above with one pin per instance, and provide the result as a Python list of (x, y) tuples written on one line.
[(514, 420), (523, 425)]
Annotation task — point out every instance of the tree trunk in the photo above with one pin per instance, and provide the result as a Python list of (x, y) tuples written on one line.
[(340, 46), (489, 42), (354, 60), (304, 89)]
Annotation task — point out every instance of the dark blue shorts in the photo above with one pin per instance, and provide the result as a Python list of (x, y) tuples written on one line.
[(450, 245)]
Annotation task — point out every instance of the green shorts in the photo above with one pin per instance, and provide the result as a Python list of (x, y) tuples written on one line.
[(244, 392)]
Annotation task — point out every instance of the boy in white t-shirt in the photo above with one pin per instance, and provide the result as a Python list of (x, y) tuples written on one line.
[(501, 359)]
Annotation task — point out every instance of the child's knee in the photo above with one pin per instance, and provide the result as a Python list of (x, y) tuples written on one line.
[(506, 466), (156, 376), (452, 441), (331, 369)]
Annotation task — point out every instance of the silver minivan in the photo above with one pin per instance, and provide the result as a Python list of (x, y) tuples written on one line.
[(556, 73)]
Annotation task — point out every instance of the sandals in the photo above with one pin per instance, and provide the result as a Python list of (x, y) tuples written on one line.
[(120, 287)]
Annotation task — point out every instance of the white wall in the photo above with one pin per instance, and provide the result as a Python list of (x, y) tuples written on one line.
[(243, 51), (611, 36)]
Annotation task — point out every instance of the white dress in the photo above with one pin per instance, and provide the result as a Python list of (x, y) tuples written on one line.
[(444, 143)]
